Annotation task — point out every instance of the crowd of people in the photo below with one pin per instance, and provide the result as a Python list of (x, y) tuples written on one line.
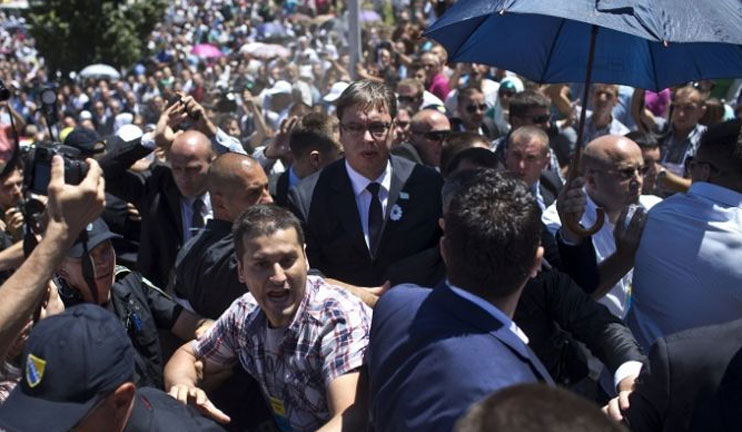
[(268, 237)]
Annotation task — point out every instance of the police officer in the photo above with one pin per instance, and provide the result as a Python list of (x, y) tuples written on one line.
[(89, 274), (78, 370)]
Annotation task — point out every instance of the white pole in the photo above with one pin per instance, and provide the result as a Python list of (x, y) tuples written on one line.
[(354, 35)]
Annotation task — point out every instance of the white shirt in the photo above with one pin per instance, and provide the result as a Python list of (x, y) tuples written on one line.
[(186, 213), (617, 298), (689, 263), (363, 196)]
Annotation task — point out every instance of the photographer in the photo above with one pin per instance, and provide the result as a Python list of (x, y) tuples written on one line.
[(69, 209)]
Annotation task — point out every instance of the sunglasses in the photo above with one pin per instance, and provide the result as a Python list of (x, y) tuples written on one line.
[(471, 109), (628, 173), (407, 99), (434, 135)]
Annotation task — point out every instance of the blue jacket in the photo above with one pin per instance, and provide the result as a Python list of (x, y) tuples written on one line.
[(432, 353)]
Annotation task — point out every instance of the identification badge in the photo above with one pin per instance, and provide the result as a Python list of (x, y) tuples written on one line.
[(279, 414)]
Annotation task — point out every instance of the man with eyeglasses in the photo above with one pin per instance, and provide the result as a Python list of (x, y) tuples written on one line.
[(470, 110), (411, 94), (428, 129), (368, 209), (613, 169), (688, 266)]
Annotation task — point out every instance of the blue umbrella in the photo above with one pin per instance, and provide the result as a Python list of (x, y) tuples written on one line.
[(649, 44)]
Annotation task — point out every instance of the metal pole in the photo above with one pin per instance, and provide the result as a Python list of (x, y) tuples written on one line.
[(354, 35)]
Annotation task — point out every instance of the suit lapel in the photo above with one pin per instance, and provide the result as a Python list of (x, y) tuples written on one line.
[(345, 203), (477, 317), (172, 195), (401, 171)]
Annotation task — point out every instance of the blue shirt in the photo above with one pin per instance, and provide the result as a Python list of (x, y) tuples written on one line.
[(688, 270)]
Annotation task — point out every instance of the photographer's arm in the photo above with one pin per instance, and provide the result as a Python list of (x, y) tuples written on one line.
[(12, 257), (70, 209), (221, 141)]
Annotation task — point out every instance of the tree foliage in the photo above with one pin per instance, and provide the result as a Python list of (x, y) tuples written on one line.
[(72, 34)]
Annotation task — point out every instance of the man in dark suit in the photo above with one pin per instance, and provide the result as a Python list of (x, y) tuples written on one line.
[(432, 353), (527, 156), (691, 382), (172, 200), (367, 210)]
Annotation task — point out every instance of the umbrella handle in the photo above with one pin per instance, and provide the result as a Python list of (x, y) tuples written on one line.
[(573, 220)]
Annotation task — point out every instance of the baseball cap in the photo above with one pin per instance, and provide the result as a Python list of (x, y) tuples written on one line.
[(335, 91), (280, 87), (97, 232), (85, 140), (70, 363)]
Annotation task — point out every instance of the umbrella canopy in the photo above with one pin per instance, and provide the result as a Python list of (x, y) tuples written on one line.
[(100, 71), (265, 51), (649, 44), (206, 51)]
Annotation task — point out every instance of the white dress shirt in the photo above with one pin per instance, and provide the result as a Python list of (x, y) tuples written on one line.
[(617, 298), (363, 196), (689, 263)]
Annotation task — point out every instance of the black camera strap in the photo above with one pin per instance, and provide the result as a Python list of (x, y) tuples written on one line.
[(88, 272)]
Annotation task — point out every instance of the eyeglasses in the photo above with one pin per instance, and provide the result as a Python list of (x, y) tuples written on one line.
[(403, 124), (471, 109), (438, 135), (628, 172), (378, 130), (408, 99), (607, 94)]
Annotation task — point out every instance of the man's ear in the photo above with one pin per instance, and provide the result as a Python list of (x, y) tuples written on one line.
[(537, 259), (442, 223), (442, 247), (315, 159), (240, 271), (122, 401), (306, 258)]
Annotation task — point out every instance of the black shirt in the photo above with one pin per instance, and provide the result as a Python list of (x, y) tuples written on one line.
[(142, 309), (206, 270), (154, 411)]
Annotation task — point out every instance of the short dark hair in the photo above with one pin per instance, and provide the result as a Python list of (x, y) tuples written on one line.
[(492, 233), (263, 219), (723, 144), (367, 94), (535, 408), (456, 142), (481, 157), (645, 140), (313, 133), (524, 101)]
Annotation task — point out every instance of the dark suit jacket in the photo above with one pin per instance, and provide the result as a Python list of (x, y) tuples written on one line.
[(553, 311), (326, 205), (549, 186), (433, 353), (691, 382), (157, 198), (279, 186)]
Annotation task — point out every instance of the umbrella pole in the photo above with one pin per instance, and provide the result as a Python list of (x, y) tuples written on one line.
[(573, 222)]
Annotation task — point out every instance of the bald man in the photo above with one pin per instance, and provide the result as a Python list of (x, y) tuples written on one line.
[(205, 269), (612, 167), (172, 200), (428, 129)]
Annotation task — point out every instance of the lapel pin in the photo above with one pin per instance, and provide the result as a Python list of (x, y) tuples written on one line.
[(404, 195), (396, 213)]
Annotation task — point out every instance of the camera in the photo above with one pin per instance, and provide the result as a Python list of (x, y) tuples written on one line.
[(40, 167), (4, 92), (226, 103)]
